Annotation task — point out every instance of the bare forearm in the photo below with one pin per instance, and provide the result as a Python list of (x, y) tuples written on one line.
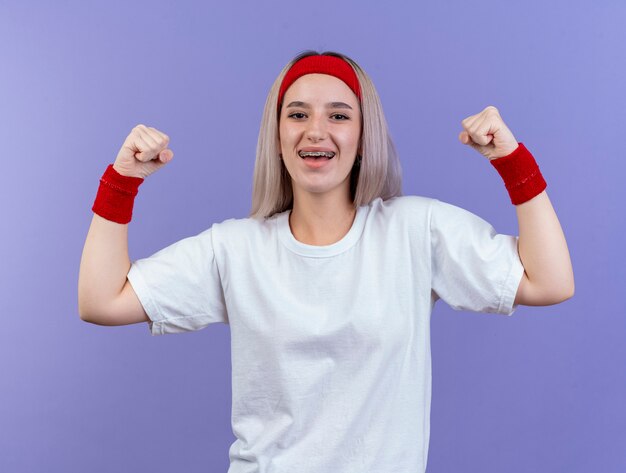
[(104, 265), (543, 249)]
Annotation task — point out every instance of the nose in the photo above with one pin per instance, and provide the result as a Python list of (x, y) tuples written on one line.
[(316, 128)]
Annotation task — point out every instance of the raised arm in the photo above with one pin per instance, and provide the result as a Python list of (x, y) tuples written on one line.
[(548, 275), (105, 297)]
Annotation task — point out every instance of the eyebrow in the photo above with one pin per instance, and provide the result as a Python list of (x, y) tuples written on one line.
[(328, 105)]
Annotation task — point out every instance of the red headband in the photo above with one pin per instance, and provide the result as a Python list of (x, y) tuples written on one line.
[(320, 64)]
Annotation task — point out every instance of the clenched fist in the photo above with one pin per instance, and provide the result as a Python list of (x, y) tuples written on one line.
[(487, 134), (144, 151)]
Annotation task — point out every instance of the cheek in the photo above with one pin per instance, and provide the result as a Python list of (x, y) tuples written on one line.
[(350, 139), (285, 134)]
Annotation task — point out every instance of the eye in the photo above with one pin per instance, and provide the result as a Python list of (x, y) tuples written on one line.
[(294, 115), (341, 115)]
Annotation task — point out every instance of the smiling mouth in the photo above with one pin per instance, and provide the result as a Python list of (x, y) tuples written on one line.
[(316, 154)]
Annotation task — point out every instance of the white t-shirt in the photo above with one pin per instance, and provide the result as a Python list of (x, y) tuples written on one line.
[(331, 367)]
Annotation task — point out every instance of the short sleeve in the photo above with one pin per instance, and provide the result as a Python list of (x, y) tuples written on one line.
[(179, 286), (473, 267)]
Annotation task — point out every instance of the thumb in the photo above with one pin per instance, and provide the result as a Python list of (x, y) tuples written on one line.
[(465, 138), (166, 156), (159, 161)]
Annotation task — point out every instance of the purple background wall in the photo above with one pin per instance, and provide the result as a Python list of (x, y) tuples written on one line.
[(542, 391)]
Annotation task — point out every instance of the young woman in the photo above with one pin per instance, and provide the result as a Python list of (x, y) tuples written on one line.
[(329, 285)]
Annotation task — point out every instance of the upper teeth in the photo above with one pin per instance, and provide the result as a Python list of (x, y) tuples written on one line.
[(328, 154)]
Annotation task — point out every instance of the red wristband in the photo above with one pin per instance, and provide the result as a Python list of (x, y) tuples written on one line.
[(521, 174), (116, 196)]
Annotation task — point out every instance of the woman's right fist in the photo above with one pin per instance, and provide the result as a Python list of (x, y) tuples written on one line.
[(144, 151)]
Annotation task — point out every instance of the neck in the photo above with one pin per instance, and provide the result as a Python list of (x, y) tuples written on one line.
[(321, 220)]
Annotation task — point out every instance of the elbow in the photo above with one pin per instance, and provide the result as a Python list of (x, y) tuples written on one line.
[(95, 312), (89, 307), (562, 294), (570, 292), (83, 299), (90, 317), (83, 312), (86, 311), (561, 291), (543, 296), (569, 288), (561, 297)]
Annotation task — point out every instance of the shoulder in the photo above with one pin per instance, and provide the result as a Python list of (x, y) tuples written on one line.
[(446, 212), (451, 221), (425, 205), (428, 211), (246, 224), (402, 215), (237, 231), (414, 206)]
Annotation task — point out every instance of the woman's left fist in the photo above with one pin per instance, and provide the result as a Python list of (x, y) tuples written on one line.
[(487, 134)]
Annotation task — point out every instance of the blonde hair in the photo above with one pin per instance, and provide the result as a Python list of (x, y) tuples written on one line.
[(379, 173)]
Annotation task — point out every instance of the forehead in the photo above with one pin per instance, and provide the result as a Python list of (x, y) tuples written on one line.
[(320, 87)]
